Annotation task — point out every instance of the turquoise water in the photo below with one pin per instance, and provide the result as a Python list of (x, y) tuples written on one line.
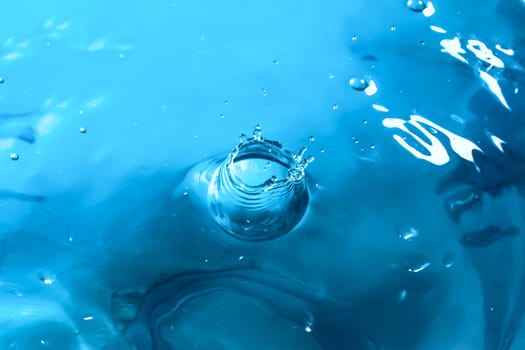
[(409, 236)]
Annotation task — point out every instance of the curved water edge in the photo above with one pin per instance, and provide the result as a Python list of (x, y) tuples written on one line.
[(257, 192), (330, 321)]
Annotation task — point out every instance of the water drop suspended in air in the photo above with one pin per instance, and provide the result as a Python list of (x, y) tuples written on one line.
[(358, 84), (14, 156), (416, 5)]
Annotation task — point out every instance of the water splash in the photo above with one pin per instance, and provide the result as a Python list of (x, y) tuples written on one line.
[(259, 191)]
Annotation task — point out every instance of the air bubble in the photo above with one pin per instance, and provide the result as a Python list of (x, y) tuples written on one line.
[(364, 121), (416, 5), (2, 80), (83, 130), (264, 92), (14, 156), (393, 28), (335, 107), (311, 139), (354, 37), (221, 116), (358, 84), (275, 61)]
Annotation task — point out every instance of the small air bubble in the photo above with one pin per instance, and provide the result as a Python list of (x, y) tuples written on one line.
[(335, 107), (275, 61), (226, 102), (221, 116), (422, 42), (393, 28), (354, 37), (83, 130), (2, 80), (185, 194), (321, 150), (264, 92), (14, 156), (311, 139), (372, 147), (416, 5), (358, 84), (241, 257), (307, 329), (81, 112), (364, 121)]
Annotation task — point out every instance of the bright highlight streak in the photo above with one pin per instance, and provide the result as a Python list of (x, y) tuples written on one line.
[(494, 87)]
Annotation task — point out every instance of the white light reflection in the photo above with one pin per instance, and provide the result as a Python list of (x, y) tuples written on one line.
[(438, 153), (497, 142), (380, 108), (453, 48), (494, 87), (429, 10), (438, 29), (419, 268), (508, 52), (485, 54), (371, 89)]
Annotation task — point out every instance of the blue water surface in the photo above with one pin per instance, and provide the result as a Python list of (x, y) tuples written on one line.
[(411, 233)]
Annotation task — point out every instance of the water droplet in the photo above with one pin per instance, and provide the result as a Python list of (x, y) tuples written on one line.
[(81, 112), (372, 146), (358, 84), (364, 121), (393, 28), (185, 194), (409, 235), (491, 309), (264, 92), (275, 61), (83, 130), (88, 318), (356, 140), (331, 76), (221, 116), (241, 257), (321, 150), (2, 80), (44, 342), (416, 5), (308, 329), (226, 102), (422, 42), (449, 259), (335, 107), (311, 139), (354, 37), (14, 156)]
